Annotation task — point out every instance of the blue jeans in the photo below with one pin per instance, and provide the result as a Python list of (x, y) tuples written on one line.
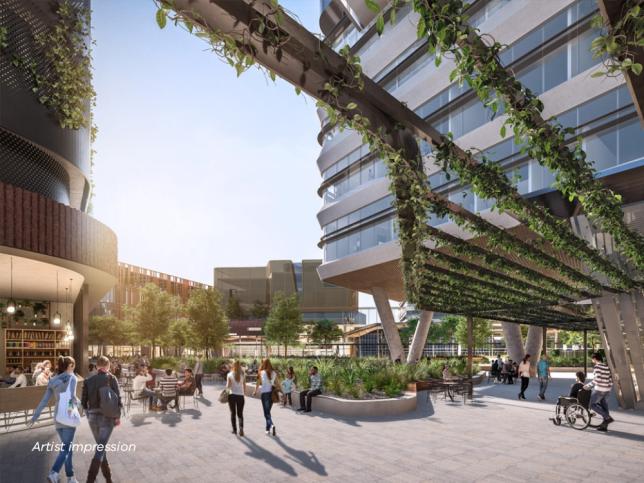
[(543, 385), (102, 430), (66, 435), (599, 405), (151, 394), (267, 404)]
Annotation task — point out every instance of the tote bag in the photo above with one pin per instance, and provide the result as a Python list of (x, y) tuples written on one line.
[(62, 416)]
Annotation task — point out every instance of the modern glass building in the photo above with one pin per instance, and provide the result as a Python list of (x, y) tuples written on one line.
[(548, 47)]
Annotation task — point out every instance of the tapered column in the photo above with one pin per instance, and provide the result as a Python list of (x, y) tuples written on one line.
[(533, 346), (81, 330), (610, 327), (513, 340), (633, 333), (388, 322), (420, 337)]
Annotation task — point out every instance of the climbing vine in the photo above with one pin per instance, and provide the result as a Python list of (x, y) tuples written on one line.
[(444, 23), (422, 268), (617, 43)]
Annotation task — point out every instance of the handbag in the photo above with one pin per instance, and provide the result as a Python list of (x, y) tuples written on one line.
[(63, 416), (275, 392), (223, 397)]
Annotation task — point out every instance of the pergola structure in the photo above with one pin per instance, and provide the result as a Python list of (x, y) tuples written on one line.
[(563, 291)]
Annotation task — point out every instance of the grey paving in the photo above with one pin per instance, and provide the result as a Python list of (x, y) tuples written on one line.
[(496, 438)]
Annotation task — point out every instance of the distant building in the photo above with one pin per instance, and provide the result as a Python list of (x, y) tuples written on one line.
[(318, 300), (130, 281)]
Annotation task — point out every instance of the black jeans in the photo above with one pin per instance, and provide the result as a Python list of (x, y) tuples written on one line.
[(524, 385), (198, 378), (308, 394), (102, 428), (236, 405), (287, 397)]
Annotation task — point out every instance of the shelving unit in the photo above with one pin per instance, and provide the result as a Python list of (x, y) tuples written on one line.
[(27, 347)]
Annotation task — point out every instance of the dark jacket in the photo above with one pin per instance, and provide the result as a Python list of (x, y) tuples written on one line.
[(91, 390)]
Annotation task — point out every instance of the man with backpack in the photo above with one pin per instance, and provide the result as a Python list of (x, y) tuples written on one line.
[(102, 402)]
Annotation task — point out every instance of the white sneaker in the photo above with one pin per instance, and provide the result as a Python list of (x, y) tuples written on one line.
[(72, 479), (53, 477)]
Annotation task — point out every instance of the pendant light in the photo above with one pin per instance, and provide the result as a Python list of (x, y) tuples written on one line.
[(69, 332), (11, 305), (57, 314)]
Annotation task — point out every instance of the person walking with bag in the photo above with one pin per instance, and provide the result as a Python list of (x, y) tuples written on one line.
[(102, 401), (266, 379), (67, 417), (235, 384), (524, 374)]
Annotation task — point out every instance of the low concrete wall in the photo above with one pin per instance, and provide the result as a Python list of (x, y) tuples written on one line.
[(355, 408)]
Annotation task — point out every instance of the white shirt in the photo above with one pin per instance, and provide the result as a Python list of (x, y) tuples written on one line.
[(236, 387), (42, 379), (21, 380), (524, 369), (138, 383), (267, 384)]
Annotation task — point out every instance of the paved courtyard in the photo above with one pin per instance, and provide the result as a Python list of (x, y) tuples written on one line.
[(495, 438)]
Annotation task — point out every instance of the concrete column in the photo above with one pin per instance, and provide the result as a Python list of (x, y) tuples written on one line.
[(533, 346), (389, 328), (610, 328), (81, 330), (420, 337), (633, 334), (513, 340)]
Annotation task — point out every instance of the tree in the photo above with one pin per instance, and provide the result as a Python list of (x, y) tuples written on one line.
[(259, 310), (324, 332), (209, 322), (284, 323), (444, 330), (179, 336), (102, 331), (481, 332), (152, 315), (234, 310)]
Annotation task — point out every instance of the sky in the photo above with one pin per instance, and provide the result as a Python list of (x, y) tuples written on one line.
[(196, 168)]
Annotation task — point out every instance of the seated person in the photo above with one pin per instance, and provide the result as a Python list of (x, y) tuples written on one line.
[(11, 374), (37, 371), (44, 375), (577, 386), (447, 374), (21, 379), (152, 383), (168, 385), (187, 386), (315, 389), (92, 370), (138, 387)]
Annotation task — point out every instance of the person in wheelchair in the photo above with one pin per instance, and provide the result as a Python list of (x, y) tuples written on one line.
[(577, 386), (578, 395)]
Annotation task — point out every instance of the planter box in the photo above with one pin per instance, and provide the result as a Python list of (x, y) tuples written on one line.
[(356, 408)]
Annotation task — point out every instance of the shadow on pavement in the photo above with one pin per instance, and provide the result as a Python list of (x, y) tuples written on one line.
[(304, 458), (274, 461)]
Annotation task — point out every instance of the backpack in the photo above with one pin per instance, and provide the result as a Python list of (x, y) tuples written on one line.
[(109, 400)]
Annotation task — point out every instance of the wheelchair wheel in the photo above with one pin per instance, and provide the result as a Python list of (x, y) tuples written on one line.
[(577, 416), (556, 420)]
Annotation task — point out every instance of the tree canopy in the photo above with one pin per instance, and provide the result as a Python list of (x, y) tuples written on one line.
[(284, 324)]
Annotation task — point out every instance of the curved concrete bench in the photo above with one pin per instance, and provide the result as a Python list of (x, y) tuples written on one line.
[(355, 408)]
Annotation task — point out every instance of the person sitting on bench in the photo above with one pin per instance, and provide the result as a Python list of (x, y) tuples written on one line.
[(315, 389)]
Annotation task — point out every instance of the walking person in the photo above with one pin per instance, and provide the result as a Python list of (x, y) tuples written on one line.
[(63, 388), (198, 371), (102, 401), (524, 374), (265, 381), (315, 389), (236, 385), (543, 372), (601, 385)]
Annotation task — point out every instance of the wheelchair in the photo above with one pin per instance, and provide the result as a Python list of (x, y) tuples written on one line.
[(576, 411)]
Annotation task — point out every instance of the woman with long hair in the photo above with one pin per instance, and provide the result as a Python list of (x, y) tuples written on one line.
[(265, 381), (524, 374), (236, 385), (63, 381)]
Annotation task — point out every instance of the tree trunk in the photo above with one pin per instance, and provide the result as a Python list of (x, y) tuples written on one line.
[(513, 340), (533, 345)]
